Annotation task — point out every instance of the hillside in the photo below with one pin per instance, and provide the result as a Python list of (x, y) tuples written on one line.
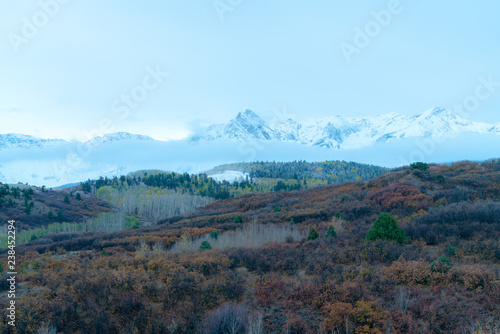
[(263, 274), (143, 197), (328, 171), (33, 207)]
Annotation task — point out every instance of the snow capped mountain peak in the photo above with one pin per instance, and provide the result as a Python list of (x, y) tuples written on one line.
[(248, 115), (346, 132), (248, 119), (246, 125)]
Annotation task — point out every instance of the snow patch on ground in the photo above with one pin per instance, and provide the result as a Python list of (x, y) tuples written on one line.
[(230, 176)]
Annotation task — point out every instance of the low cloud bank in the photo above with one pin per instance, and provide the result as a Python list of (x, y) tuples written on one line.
[(70, 163)]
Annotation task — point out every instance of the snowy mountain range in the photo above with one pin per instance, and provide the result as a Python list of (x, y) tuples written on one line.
[(345, 132), (116, 137), (335, 132), (15, 140), (388, 140)]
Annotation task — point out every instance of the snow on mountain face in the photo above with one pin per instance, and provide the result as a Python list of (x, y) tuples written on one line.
[(330, 132), (14, 140), (246, 125), (495, 129), (248, 122), (118, 136), (346, 133)]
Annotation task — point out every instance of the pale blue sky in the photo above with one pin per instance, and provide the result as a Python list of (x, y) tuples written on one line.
[(263, 55)]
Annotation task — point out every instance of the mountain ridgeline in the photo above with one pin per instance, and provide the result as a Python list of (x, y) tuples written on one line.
[(344, 132), (330, 132)]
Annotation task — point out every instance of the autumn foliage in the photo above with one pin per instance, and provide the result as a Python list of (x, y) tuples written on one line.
[(443, 279)]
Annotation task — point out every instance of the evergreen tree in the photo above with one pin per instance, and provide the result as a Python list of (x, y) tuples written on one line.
[(313, 234), (338, 215), (78, 197), (66, 199), (450, 251), (205, 245), (15, 192), (86, 186), (386, 228), (214, 234), (419, 165), (330, 233), (60, 216), (238, 220), (133, 222), (50, 215), (441, 265)]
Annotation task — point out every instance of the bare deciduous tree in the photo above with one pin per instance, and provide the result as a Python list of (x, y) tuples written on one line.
[(46, 328), (250, 235), (152, 203), (403, 299), (227, 319), (256, 323)]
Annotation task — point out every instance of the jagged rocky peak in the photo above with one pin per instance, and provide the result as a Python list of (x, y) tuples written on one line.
[(247, 124), (248, 115)]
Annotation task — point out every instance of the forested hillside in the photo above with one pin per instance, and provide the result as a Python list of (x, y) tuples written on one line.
[(329, 171), (144, 197), (263, 177), (416, 250)]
